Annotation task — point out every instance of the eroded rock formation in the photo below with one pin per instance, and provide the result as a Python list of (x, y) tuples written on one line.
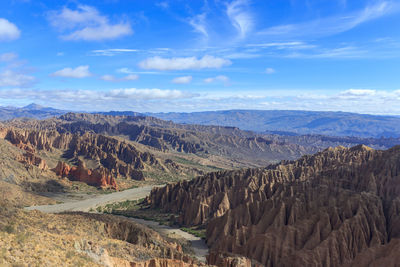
[(120, 158), (99, 177), (340, 207), (31, 159)]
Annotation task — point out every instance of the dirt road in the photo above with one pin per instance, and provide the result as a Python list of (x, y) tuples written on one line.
[(199, 246), (87, 204)]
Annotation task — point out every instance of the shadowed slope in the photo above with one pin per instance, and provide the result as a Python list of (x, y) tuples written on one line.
[(323, 210)]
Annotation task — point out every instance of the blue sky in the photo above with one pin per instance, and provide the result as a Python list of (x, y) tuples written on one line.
[(153, 56)]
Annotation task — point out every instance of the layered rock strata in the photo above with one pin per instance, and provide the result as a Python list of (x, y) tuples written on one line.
[(119, 158)]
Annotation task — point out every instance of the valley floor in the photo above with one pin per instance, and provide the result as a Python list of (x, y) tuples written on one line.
[(197, 245)]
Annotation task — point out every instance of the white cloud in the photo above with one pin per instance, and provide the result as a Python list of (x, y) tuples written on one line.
[(6, 57), (108, 78), (164, 4), (8, 30), (332, 25), (111, 78), (239, 17), (124, 70), (294, 45), (219, 78), (270, 71), (184, 63), (86, 23), (198, 23), (147, 94), (131, 77), (99, 33), (182, 80), (340, 52), (14, 79), (92, 100), (159, 100), (356, 93), (113, 51), (78, 72)]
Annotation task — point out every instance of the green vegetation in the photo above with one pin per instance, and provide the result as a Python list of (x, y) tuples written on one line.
[(140, 210), (137, 209), (9, 228), (115, 208), (22, 237), (201, 233)]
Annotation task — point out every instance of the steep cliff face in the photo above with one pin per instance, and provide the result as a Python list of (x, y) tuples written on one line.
[(122, 159), (99, 177), (338, 207), (196, 139), (119, 158)]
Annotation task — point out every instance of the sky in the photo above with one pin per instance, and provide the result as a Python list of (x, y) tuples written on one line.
[(175, 55)]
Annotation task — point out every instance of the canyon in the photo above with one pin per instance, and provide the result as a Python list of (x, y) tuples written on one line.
[(263, 199), (339, 207)]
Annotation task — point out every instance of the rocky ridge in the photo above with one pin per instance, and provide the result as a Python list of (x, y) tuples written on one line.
[(248, 148), (114, 158), (340, 207)]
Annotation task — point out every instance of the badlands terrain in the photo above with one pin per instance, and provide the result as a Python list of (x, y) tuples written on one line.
[(86, 189)]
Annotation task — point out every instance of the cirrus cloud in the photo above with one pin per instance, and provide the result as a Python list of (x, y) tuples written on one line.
[(240, 19), (184, 63), (112, 78), (182, 80), (270, 71)]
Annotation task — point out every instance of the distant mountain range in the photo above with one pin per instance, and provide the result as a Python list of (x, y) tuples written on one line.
[(281, 122), (289, 122), (30, 111)]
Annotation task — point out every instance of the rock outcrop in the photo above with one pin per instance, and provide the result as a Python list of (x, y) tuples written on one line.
[(196, 139), (31, 159), (121, 159), (99, 177), (340, 207)]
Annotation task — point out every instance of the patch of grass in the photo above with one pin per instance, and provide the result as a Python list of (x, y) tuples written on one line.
[(21, 238), (9, 228), (70, 254), (201, 233), (3, 253), (118, 207)]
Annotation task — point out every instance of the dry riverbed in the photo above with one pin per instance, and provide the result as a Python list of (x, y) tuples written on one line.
[(198, 245)]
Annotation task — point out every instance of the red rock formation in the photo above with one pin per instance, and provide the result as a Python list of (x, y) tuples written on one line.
[(340, 207), (31, 159), (62, 169), (119, 158), (98, 177)]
